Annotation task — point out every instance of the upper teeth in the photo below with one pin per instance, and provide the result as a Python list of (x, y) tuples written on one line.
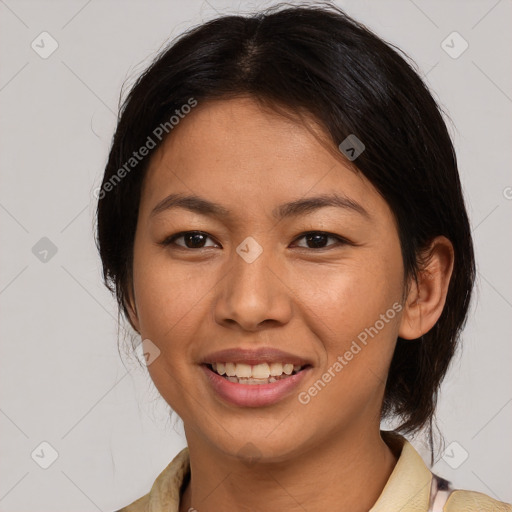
[(257, 371)]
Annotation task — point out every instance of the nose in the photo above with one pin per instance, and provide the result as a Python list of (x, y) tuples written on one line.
[(254, 295)]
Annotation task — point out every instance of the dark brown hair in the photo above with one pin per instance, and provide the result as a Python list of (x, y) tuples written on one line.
[(318, 60)]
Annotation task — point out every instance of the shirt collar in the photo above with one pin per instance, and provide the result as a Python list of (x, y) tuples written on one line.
[(407, 489)]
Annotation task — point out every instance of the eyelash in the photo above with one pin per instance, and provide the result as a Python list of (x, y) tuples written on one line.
[(341, 241)]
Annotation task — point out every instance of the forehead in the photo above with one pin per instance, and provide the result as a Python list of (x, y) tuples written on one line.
[(237, 152)]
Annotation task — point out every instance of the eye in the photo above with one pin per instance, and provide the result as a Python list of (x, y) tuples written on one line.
[(318, 238), (197, 239), (192, 240)]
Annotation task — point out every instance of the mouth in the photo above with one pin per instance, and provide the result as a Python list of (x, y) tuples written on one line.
[(254, 377), (255, 374), (254, 385)]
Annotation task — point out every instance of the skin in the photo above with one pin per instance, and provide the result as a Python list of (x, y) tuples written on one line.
[(305, 300)]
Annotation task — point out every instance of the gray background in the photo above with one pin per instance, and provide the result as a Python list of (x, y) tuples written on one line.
[(63, 381)]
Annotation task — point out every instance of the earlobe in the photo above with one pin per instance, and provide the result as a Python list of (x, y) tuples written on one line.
[(427, 296), (411, 322)]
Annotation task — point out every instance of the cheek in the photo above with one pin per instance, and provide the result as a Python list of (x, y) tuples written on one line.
[(354, 315), (347, 298), (354, 312), (170, 296)]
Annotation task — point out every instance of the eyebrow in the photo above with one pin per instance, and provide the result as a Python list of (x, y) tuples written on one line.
[(295, 208)]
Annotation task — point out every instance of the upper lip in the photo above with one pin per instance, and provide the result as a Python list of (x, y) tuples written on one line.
[(254, 356)]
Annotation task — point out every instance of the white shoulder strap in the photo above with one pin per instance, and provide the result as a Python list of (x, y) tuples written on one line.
[(440, 499)]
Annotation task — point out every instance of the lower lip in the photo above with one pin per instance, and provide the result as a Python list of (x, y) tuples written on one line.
[(254, 395)]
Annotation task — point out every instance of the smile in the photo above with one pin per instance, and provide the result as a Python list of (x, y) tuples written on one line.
[(263, 373), (257, 389)]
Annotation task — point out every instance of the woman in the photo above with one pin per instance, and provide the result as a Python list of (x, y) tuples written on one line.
[(282, 222)]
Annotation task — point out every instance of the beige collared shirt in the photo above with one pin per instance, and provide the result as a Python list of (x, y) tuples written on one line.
[(410, 488)]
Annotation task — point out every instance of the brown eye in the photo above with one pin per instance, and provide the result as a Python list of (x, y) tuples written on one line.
[(191, 240), (198, 239), (318, 240)]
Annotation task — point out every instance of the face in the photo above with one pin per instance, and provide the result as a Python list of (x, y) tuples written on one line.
[(309, 288)]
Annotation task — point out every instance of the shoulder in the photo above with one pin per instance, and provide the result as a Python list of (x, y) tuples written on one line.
[(469, 501), (166, 490), (444, 498), (140, 505)]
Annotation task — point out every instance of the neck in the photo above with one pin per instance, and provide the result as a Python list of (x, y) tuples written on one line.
[(354, 469)]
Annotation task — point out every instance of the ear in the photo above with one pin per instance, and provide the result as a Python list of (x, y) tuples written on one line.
[(426, 298), (131, 306)]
